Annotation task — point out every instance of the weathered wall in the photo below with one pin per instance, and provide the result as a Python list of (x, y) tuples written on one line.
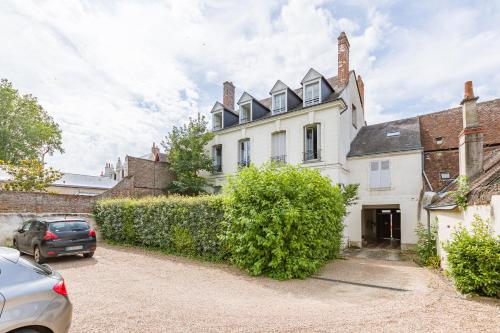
[(449, 220), (10, 222), (28, 202), (149, 174)]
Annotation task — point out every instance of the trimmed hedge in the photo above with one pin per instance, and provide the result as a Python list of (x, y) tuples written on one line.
[(283, 221), (185, 225)]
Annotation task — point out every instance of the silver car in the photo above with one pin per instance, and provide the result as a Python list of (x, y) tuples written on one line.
[(33, 298)]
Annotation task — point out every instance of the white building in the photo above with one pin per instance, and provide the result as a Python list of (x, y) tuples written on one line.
[(316, 126)]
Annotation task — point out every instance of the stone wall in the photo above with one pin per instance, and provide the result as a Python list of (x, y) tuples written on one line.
[(149, 174), (28, 202)]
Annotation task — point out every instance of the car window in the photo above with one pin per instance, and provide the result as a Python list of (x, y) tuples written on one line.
[(26, 225), (69, 226), (35, 226), (40, 269)]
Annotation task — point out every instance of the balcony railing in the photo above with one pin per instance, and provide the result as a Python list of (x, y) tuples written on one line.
[(244, 163), (312, 155), (311, 101), (217, 168), (279, 110), (244, 119), (279, 159)]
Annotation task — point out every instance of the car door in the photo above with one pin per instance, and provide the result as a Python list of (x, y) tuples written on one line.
[(22, 236), (31, 235)]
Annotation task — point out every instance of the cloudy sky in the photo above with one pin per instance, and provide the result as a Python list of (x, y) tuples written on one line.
[(117, 75)]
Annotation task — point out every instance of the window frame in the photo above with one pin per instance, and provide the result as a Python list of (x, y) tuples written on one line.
[(281, 158), (316, 153), (221, 113), (354, 116), (305, 103), (379, 185), (273, 104), (214, 157), (244, 162), (250, 111), (447, 179)]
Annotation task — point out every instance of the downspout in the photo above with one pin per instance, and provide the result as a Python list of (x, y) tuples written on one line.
[(432, 190)]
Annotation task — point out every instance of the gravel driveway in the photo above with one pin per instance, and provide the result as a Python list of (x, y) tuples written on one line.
[(129, 290)]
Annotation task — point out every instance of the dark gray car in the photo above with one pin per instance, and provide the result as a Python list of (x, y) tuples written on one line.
[(33, 298)]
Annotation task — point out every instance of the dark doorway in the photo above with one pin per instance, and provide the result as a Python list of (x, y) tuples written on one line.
[(381, 227)]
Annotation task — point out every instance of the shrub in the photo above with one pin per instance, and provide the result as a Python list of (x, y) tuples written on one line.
[(426, 245), (474, 259), (283, 221), (183, 225)]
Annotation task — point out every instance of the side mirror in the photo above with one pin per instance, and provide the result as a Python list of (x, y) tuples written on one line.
[(20, 230)]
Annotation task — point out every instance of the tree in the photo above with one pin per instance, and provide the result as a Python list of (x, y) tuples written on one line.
[(28, 176), (187, 156), (27, 132)]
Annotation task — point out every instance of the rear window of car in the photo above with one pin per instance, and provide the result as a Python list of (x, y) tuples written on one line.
[(69, 226), (40, 269)]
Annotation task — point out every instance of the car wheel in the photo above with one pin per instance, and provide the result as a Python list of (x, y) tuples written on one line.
[(39, 258), (88, 255)]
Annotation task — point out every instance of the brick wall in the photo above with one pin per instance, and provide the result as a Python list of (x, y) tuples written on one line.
[(149, 174), (26, 202)]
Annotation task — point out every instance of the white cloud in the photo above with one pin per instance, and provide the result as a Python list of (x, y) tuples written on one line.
[(118, 75)]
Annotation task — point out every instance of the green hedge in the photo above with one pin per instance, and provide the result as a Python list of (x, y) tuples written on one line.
[(283, 221), (474, 259), (184, 225)]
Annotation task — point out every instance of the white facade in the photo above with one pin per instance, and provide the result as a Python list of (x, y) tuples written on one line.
[(402, 193), (335, 133)]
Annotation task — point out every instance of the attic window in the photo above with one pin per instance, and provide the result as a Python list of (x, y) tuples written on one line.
[(439, 140), (311, 94), (279, 103), (217, 121), (393, 133), (245, 113)]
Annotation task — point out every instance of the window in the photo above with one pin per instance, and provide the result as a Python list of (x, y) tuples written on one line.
[(278, 147), (279, 103), (245, 113), (393, 133), (439, 140), (354, 117), (380, 174), (244, 152), (311, 142), (311, 94), (217, 121), (217, 158), (444, 175)]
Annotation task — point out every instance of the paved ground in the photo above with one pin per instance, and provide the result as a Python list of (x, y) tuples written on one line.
[(127, 290)]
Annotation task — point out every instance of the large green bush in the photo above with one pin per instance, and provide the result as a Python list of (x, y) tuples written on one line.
[(427, 245), (283, 221), (474, 259), (184, 225)]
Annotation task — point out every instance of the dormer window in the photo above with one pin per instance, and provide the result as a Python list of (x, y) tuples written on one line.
[(245, 113), (217, 121), (311, 94), (279, 103)]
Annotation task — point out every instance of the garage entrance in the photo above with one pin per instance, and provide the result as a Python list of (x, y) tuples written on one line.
[(381, 226)]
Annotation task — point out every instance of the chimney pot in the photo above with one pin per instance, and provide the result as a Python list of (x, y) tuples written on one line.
[(228, 95), (343, 59), (468, 91)]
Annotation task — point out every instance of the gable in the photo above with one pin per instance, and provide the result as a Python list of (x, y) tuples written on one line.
[(312, 74), (278, 86), (246, 97), (217, 107)]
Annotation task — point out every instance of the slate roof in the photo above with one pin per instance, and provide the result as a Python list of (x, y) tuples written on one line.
[(149, 156), (373, 139), (482, 186), (75, 180)]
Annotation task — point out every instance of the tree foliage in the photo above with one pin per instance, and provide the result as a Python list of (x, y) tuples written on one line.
[(461, 194), (28, 176), (187, 155), (283, 221), (474, 259), (427, 244), (27, 132)]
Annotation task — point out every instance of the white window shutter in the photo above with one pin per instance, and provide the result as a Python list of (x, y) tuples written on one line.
[(374, 174), (385, 174)]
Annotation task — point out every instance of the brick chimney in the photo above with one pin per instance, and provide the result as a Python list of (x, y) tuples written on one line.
[(155, 150), (471, 138), (343, 61), (361, 88), (228, 95)]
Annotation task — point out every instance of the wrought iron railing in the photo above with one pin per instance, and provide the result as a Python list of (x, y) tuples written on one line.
[(217, 167), (279, 158), (312, 155), (244, 163)]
